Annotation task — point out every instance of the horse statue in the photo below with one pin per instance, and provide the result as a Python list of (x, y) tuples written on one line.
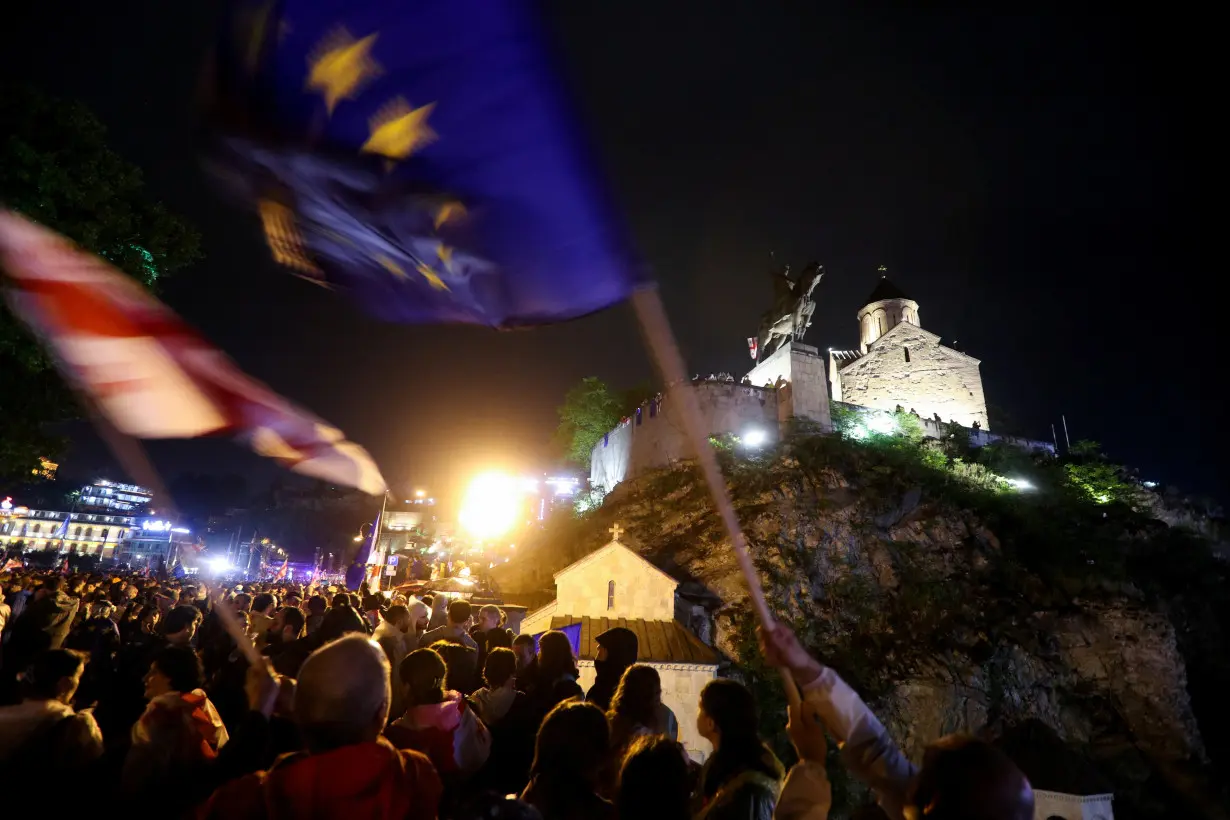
[(792, 309)]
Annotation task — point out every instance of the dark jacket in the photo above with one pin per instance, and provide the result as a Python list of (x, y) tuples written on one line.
[(748, 794), (621, 648)]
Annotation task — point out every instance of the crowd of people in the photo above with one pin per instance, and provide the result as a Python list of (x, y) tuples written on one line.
[(131, 691)]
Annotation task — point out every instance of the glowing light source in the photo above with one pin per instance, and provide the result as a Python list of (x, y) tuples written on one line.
[(881, 423), (218, 565), (491, 505), (420, 493), (755, 438), (1019, 483)]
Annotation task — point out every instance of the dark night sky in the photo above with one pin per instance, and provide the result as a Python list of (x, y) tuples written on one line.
[(1022, 175)]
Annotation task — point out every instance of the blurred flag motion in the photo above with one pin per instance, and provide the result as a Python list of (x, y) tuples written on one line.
[(420, 155), (146, 371)]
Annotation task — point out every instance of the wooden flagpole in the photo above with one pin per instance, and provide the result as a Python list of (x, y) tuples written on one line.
[(660, 340)]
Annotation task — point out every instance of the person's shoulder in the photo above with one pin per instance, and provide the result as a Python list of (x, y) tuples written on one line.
[(239, 798)]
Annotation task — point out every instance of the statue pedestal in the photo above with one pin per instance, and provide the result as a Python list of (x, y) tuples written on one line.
[(806, 394)]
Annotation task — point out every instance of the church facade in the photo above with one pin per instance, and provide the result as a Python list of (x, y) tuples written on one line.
[(898, 364)]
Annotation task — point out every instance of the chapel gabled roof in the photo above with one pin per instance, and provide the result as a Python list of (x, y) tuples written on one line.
[(885, 290), (658, 641)]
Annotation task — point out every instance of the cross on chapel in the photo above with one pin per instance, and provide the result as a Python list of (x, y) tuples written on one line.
[(616, 531)]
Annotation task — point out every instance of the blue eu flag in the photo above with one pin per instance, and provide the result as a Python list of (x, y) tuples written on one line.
[(419, 154)]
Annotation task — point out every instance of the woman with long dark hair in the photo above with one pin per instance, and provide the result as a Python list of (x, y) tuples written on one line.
[(557, 671), (742, 778), (634, 708), (570, 754)]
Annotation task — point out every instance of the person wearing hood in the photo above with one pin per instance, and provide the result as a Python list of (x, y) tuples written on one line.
[(438, 722), (617, 650), (44, 728), (439, 612), (177, 738), (341, 704), (393, 635)]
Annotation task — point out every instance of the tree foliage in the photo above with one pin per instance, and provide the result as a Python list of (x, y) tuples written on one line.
[(590, 410), (56, 168)]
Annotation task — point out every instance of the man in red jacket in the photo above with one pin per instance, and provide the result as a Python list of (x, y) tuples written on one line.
[(341, 704)]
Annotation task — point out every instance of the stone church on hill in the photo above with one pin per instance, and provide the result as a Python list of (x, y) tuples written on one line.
[(615, 586), (898, 364)]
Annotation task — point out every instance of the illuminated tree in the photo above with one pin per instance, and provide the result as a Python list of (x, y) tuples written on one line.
[(56, 168), (590, 410)]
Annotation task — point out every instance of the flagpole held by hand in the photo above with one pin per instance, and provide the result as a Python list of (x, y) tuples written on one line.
[(660, 340)]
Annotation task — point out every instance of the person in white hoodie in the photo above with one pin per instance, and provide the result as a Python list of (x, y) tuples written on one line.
[(44, 727), (961, 777)]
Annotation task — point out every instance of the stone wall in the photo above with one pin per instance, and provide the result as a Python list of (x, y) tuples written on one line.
[(908, 367), (640, 591), (654, 437), (936, 430)]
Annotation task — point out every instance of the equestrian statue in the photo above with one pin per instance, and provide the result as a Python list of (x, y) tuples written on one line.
[(792, 309)]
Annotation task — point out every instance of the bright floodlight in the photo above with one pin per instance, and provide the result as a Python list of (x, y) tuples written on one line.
[(881, 423), (219, 565), (755, 438), (1020, 483), (491, 505)]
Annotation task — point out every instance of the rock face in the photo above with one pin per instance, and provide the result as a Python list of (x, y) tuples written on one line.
[(946, 615)]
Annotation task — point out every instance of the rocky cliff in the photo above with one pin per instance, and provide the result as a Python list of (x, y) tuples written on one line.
[(955, 605)]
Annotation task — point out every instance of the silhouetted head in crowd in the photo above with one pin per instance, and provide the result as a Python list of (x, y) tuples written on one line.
[(653, 781), (342, 696), (316, 605), (54, 675), (174, 669), (263, 604), (523, 648), (459, 613), (500, 668), (423, 672), (180, 625), (572, 744), (555, 657), (963, 778), (398, 617)]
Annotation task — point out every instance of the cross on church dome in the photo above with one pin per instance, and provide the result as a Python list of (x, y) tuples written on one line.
[(616, 531)]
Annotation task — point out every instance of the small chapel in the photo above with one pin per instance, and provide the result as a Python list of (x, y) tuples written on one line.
[(616, 586)]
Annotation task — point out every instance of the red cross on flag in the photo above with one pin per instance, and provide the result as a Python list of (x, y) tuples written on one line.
[(149, 373)]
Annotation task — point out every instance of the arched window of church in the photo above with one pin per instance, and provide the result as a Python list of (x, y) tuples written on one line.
[(880, 324), (610, 594), (907, 353)]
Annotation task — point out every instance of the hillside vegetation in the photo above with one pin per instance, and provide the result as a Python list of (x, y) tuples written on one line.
[(960, 590)]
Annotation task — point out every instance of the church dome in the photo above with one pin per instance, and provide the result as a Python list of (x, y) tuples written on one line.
[(885, 290), (886, 307)]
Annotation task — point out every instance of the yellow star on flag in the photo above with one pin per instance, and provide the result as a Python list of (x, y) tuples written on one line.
[(431, 276), (391, 266), (449, 211), (340, 66), (398, 130)]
